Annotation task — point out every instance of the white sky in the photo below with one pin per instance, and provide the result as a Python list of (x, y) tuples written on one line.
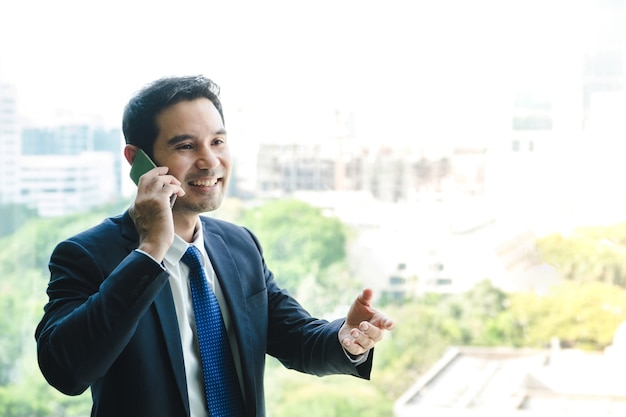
[(403, 66)]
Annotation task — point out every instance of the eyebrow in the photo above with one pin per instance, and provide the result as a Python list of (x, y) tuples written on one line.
[(181, 138)]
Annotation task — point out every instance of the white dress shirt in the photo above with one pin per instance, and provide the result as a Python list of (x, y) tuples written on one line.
[(181, 291)]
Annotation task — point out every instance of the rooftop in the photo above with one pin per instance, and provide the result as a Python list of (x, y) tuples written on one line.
[(475, 381)]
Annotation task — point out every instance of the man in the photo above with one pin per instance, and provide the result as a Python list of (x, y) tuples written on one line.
[(120, 317)]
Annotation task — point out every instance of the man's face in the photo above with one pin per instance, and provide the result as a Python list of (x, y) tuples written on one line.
[(192, 143)]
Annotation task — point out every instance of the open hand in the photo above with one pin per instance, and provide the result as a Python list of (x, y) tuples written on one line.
[(364, 325)]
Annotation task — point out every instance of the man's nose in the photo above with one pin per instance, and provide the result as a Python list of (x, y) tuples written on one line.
[(207, 158)]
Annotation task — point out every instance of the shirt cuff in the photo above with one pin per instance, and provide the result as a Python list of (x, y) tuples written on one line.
[(150, 256), (356, 359)]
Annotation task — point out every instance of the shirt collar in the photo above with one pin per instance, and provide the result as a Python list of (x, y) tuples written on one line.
[(179, 246)]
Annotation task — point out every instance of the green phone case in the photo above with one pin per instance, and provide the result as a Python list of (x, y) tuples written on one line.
[(141, 165)]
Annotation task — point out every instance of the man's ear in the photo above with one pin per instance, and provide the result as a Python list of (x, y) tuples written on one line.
[(130, 152)]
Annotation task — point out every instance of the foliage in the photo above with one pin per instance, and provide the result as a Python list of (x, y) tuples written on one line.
[(307, 252), (580, 315), (292, 227), (289, 393), (427, 325), (23, 391), (13, 215), (590, 254), (32, 396), (478, 312)]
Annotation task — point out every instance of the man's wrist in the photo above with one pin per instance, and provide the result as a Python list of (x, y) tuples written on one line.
[(149, 256), (356, 359)]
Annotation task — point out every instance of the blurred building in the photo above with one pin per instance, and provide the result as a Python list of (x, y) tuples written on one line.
[(287, 168), (9, 145), (56, 185), (475, 381), (388, 174), (435, 218), (69, 168)]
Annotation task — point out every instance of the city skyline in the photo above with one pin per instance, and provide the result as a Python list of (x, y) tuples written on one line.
[(532, 87)]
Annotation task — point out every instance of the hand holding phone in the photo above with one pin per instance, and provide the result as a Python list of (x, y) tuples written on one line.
[(142, 164)]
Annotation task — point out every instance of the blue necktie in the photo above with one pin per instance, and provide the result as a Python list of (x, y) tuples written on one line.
[(220, 378)]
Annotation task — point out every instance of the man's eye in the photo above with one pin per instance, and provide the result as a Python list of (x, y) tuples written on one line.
[(185, 146)]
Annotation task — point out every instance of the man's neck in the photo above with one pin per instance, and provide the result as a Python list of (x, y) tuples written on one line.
[(185, 227)]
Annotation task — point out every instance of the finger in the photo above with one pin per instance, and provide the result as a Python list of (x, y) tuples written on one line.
[(172, 179), (170, 193), (173, 188), (362, 339), (351, 347), (371, 331), (365, 297), (388, 324), (164, 180)]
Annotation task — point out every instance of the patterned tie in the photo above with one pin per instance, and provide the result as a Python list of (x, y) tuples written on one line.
[(220, 378)]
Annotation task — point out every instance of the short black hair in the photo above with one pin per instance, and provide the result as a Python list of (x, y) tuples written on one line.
[(139, 120)]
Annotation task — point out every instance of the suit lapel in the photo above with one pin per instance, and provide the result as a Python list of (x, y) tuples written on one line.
[(164, 304), (228, 276), (230, 281), (227, 273)]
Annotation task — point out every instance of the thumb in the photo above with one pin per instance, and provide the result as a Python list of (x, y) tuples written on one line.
[(361, 308), (365, 297)]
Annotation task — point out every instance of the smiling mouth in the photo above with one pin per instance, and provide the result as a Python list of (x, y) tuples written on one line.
[(204, 183)]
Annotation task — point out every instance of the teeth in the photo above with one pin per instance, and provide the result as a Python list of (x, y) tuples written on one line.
[(207, 183)]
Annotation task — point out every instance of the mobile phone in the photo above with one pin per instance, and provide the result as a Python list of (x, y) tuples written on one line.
[(140, 166)]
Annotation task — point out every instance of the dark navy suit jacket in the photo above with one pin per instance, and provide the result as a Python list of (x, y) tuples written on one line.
[(110, 323)]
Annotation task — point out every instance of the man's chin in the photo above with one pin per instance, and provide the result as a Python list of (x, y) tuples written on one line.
[(199, 207)]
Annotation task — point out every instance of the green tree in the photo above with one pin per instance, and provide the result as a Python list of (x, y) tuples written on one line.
[(589, 254), (23, 390), (305, 250), (478, 312), (14, 215), (580, 315), (289, 393)]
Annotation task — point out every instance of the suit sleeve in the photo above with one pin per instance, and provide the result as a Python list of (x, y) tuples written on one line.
[(91, 314), (302, 342)]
